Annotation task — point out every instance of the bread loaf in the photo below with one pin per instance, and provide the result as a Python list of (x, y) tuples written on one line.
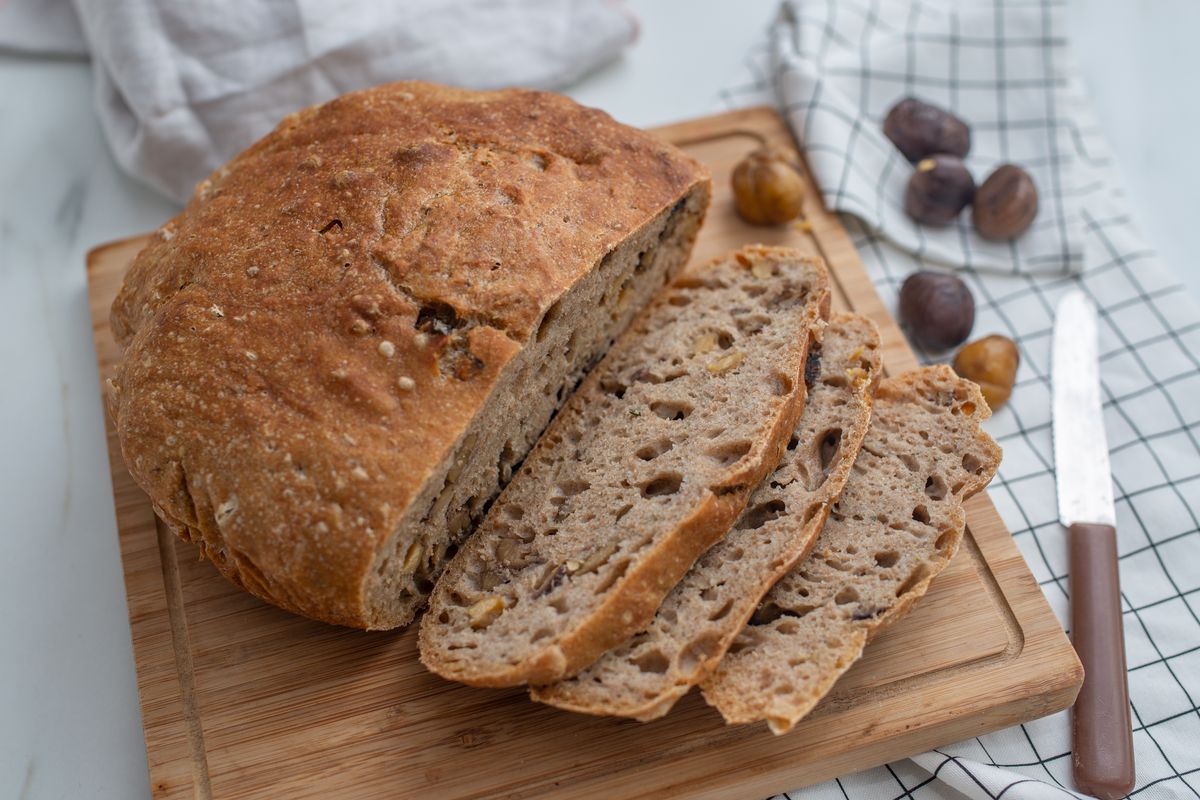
[(644, 676), (337, 354), (647, 465), (897, 524)]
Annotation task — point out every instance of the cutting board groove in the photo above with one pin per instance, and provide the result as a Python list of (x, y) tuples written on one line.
[(240, 700)]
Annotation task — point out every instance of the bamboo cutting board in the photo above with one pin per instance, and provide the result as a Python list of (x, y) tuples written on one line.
[(242, 700)]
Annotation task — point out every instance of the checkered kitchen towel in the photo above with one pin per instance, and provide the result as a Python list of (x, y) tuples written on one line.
[(835, 67)]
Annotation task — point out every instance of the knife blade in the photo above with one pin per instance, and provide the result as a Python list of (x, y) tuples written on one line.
[(1080, 447), (1102, 755)]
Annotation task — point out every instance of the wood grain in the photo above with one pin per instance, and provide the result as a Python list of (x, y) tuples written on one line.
[(241, 700)]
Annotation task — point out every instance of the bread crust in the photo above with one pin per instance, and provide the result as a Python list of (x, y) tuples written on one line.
[(308, 341)]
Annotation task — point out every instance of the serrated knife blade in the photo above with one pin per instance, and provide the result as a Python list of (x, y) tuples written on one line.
[(1102, 752), (1085, 492)]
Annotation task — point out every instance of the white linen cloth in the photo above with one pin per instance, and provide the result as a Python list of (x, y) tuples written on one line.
[(181, 87), (835, 67)]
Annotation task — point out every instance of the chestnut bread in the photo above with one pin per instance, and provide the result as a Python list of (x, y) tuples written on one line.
[(339, 351), (647, 465), (644, 676), (898, 522)]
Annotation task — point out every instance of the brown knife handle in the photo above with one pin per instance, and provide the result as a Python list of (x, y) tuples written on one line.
[(1103, 752)]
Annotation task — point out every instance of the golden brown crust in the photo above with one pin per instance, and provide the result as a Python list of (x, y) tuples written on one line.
[(307, 341)]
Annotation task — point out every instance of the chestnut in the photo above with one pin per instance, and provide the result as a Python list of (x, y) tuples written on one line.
[(937, 309), (1005, 204), (992, 363), (939, 189), (768, 188), (920, 130)]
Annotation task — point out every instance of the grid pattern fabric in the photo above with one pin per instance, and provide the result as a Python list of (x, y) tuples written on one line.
[(835, 67)]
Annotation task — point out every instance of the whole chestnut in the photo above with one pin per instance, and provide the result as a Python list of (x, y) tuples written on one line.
[(937, 309), (939, 189), (1005, 204), (992, 363), (767, 188), (919, 130)]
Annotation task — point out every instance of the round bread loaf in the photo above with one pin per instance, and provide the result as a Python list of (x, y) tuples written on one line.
[(338, 352)]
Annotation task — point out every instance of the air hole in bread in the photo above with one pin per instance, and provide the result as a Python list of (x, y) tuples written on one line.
[(968, 408), (436, 317), (835, 381), (570, 488), (655, 662), (614, 386), (333, 223), (792, 442), (935, 487), (761, 514), (541, 633), (957, 488), (670, 409), (621, 512), (910, 461), (699, 649), (912, 580), (715, 433), (662, 485), (721, 612), (921, 514), (548, 320), (846, 596), (831, 441), (789, 627), (513, 511), (649, 452), (767, 613), (560, 605), (972, 463), (944, 540), (887, 558), (730, 453), (444, 617), (783, 384), (679, 299), (724, 340)]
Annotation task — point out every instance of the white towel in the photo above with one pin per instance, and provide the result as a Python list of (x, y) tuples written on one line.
[(181, 87)]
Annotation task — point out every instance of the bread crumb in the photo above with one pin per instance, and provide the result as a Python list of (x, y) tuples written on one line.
[(360, 473), (251, 271), (215, 310), (253, 356), (406, 383), (421, 339), (360, 326), (387, 349)]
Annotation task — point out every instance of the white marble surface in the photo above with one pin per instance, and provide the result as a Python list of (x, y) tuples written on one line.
[(69, 720)]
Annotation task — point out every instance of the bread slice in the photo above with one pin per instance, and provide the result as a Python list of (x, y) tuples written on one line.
[(647, 465), (336, 356), (644, 676), (897, 524)]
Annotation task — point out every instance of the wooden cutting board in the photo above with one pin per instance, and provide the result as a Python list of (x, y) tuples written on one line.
[(242, 700)]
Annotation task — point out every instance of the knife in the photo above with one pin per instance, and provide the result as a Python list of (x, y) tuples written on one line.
[(1101, 728)]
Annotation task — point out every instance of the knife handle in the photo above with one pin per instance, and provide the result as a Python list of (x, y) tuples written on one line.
[(1103, 752)]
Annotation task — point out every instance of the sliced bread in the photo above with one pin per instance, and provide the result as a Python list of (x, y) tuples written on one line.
[(644, 676), (648, 464), (897, 524), (337, 354)]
